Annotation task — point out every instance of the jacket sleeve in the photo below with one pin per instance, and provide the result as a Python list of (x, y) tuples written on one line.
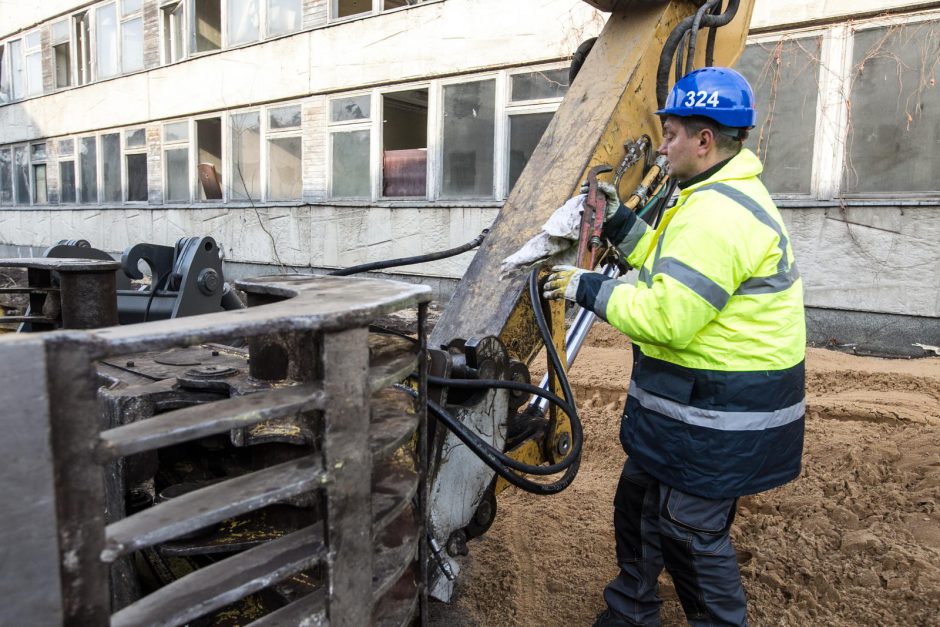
[(699, 268), (629, 234)]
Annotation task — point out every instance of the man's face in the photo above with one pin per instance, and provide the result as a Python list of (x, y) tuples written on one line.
[(683, 151)]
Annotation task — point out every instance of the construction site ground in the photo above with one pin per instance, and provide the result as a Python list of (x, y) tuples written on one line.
[(854, 541)]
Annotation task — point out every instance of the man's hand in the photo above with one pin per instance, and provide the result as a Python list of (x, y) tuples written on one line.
[(563, 283), (610, 193)]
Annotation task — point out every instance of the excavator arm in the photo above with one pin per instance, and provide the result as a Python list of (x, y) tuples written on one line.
[(606, 119)]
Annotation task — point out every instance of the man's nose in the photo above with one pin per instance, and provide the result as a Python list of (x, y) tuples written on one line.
[(662, 148)]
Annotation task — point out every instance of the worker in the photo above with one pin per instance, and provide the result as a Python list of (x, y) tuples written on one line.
[(715, 408)]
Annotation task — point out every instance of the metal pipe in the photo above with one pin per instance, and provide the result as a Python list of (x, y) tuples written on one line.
[(575, 337)]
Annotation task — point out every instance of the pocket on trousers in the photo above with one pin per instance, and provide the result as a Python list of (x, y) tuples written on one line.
[(698, 513)]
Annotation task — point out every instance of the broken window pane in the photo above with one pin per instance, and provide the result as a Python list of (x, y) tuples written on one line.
[(244, 21), (405, 143), (106, 41), (135, 138), (6, 177), (136, 177), (111, 167), (468, 139), (345, 8), (40, 191), (177, 174), (207, 25), (353, 108), (62, 57), (284, 174), (283, 16), (525, 131), (209, 158), (894, 120), (350, 165), (394, 4), (284, 117), (132, 45), (21, 175), (66, 181), (246, 156), (539, 85), (784, 75), (88, 168)]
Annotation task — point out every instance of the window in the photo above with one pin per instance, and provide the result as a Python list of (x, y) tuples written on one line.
[(37, 154), (88, 169), (4, 76), (17, 69), (66, 170), (405, 143), (106, 37), (176, 162), (247, 19), (132, 36), (784, 76), (394, 4), (174, 40), (533, 98), (209, 158), (6, 177), (111, 57), (345, 8), (20, 175), (349, 147), (894, 120), (33, 64), (245, 178), (283, 16), (82, 28), (111, 167), (135, 165), (283, 145), (207, 25), (468, 135), (62, 53)]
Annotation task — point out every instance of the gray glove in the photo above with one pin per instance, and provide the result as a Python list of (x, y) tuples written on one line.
[(610, 193), (563, 283)]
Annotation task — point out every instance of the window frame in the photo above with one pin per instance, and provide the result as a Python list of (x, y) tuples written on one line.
[(268, 134), (168, 9), (134, 150), (351, 126), (176, 145), (55, 43), (376, 9)]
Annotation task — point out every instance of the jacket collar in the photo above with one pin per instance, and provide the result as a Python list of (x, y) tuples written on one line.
[(743, 165)]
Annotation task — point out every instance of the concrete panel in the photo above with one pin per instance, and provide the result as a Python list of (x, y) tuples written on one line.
[(876, 259)]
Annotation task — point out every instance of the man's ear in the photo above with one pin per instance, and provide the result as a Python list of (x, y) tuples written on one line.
[(706, 139)]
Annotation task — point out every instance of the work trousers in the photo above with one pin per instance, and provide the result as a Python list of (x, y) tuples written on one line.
[(658, 525)]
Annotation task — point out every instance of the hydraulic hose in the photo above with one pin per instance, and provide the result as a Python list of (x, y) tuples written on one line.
[(497, 460), (407, 261)]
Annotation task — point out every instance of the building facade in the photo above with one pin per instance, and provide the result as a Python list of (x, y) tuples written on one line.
[(326, 133)]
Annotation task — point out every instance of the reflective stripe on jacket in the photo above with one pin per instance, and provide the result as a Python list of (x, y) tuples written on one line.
[(716, 398)]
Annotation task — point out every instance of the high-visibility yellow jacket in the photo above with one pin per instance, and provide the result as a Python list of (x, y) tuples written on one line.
[(717, 394)]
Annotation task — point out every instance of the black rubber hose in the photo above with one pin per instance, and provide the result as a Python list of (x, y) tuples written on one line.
[(672, 44), (498, 461), (577, 433), (693, 33), (407, 261)]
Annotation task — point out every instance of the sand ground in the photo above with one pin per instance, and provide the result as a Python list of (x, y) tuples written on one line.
[(854, 541)]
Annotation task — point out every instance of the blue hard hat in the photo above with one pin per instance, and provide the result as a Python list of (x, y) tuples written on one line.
[(718, 93)]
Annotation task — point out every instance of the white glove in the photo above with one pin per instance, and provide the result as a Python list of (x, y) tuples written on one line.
[(610, 193), (563, 283)]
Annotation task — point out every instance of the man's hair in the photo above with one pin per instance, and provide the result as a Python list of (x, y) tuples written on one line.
[(728, 145)]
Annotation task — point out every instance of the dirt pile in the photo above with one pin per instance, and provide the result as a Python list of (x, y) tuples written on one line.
[(856, 540)]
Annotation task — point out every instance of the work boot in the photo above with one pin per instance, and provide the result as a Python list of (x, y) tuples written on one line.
[(610, 618)]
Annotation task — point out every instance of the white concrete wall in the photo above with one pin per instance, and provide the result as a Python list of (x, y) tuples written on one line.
[(776, 13)]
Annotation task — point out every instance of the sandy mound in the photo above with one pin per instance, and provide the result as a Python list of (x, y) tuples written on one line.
[(854, 541)]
